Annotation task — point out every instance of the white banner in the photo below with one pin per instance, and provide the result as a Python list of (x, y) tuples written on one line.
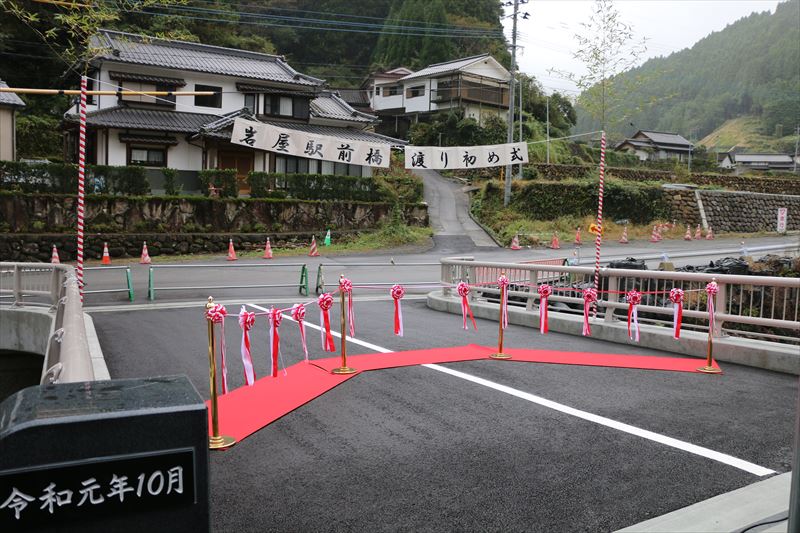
[(301, 144), (441, 158), (783, 216)]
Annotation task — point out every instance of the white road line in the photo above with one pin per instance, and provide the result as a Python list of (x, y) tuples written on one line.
[(589, 417)]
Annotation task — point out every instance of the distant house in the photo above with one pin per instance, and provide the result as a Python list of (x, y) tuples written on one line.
[(753, 161), (193, 133), (656, 146), (9, 104), (478, 85)]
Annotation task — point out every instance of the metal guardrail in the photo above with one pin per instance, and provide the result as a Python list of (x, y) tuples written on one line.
[(54, 286), (128, 281), (320, 282), (302, 285), (741, 303)]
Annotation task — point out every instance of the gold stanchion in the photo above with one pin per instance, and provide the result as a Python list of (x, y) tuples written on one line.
[(708, 369), (500, 354), (215, 441), (344, 369)]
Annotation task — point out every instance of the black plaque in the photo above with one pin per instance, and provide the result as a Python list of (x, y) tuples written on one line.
[(83, 491)]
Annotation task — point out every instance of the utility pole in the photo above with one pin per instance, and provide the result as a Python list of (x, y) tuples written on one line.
[(547, 107), (796, 143), (510, 135)]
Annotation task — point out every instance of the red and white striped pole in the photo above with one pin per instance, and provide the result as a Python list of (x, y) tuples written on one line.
[(81, 181), (599, 239)]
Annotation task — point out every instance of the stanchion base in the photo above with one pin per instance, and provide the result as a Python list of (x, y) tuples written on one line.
[(220, 442), (344, 370), (709, 370), (500, 355)]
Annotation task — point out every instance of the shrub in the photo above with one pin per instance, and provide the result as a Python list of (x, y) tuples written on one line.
[(258, 184), (170, 188), (222, 178)]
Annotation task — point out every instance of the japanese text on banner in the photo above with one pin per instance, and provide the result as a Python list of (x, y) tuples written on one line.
[(301, 144), (442, 158)]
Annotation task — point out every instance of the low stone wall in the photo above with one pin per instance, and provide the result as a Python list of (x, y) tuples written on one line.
[(748, 212), (682, 207), (117, 214), (38, 246)]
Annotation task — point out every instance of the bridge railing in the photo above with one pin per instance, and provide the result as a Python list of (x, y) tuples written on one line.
[(67, 356), (743, 303)]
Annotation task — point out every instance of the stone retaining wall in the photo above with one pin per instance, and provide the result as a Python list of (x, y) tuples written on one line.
[(748, 212), (683, 207), (38, 246)]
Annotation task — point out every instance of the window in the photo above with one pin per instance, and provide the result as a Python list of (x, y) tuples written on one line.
[(147, 157), (278, 105), (394, 90), (417, 90), (90, 87), (300, 108), (214, 100), (285, 108), (250, 100), (137, 86), (377, 91)]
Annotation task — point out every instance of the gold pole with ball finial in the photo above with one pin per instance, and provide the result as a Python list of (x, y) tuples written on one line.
[(709, 368), (500, 354), (215, 441), (344, 369)]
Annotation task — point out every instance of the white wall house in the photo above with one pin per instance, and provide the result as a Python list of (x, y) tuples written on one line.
[(656, 146), (757, 161), (191, 133), (478, 85), (9, 104)]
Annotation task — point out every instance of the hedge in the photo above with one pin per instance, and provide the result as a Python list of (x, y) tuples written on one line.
[(63, 178), (222, 178), (315, 187), (639, 203)]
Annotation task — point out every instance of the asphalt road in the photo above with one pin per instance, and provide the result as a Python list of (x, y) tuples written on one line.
[(416, 449)]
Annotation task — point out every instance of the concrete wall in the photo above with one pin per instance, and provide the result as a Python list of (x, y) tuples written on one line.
[(25, 329)]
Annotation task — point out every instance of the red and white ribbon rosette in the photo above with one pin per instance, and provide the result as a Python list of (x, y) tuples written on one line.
[(397, 292), (325, 302), (216, 314), (275, 318), (544, 293), (299, 314), (634, 298), (589, 297), (676, 297), (246, 322), (502, 283), (463, 290), (711, 291), (346, 286)]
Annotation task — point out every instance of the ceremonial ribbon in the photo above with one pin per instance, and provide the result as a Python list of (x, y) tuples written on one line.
[(463, 291), (634, 298), (397, 292), (346, 286), (217, 315), (502, 282), (275, 318), (299, 313), (676, 296), (544, 292), (711, 290), (325, 302), (589, 297), (246, 322)]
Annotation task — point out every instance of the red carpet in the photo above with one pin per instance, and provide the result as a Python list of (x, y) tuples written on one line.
[(246, 410)]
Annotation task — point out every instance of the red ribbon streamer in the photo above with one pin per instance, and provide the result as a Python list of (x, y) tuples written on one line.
[(589, 297), (634, 298), (397, 292), (463, 291), (346, 286), (711, 290), (325, 302), (275, 318), (246, 322), (502, 282), (676, 296), (217, 315), (544, 292), (299, 313)]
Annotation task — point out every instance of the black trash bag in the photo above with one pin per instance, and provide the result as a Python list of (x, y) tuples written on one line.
[(728, 265), (628, 263)]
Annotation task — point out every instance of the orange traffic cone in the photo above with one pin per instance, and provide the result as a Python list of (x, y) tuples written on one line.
[(515, 243), (554, 244), (624, 238), (698, 233), (145, 260), (688, 235), (313, 251), (654, 235), (710, 234), (106, 258), (231, 251), (267, 250), (54, 256), (578, 236)]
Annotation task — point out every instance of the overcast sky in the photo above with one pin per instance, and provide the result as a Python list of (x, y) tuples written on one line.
[(669, 26)]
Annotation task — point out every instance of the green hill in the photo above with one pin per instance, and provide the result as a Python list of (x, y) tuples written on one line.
[(752, 67), (746, 132)]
